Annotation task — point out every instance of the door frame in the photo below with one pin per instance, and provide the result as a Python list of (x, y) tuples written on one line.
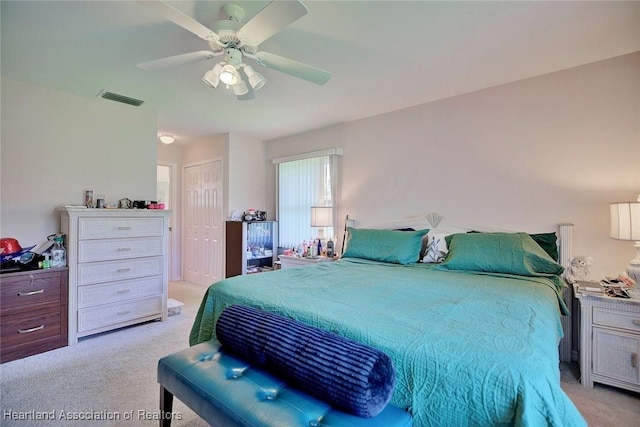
[(175, 270)]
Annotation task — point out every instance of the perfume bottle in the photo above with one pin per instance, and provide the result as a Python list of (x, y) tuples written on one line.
[(58, 253)]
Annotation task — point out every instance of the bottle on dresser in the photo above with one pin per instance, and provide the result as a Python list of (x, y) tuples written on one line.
[(330, 248), (58, 253)]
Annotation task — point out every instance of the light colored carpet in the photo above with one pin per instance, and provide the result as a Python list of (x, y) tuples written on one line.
[(108, 375), (113, 375), (601, 406)]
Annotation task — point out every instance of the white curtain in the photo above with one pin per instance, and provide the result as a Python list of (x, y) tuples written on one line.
[(301, 184)]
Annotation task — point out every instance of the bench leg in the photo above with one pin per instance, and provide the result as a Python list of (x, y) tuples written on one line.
[(166, 406)]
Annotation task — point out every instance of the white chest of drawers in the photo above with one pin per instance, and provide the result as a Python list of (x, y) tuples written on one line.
[(117, 268)]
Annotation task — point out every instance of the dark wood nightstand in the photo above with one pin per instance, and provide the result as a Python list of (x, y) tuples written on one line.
[(33, 313)]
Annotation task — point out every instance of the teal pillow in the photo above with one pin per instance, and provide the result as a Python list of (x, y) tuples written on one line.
[(547, 241), (394, 246), (510, 253)]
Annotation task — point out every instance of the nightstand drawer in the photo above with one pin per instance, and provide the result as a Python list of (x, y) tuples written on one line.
[(28, 291), (616, 319), (19, 329)]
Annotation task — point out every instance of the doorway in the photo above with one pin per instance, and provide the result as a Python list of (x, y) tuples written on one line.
[(203, 223), (166, 193)]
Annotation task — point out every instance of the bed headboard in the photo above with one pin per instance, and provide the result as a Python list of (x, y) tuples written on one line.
[(565, 250)]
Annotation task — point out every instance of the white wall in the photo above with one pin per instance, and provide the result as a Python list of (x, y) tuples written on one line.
[(523, 156), (55, 145), (247, 174)]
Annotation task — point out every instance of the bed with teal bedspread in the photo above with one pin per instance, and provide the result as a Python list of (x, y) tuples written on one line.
[(469, 347)]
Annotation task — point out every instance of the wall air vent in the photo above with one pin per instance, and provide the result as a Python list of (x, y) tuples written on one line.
[(120, 98)]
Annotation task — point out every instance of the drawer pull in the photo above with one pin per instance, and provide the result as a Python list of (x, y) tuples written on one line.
[(636, 322), (634, 360), (26, 331), (26, 294), (124, 249), (123, 270), (123, 291), (124, 228), (122, 313)]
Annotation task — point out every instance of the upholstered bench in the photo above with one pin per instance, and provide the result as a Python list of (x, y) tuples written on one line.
[(227, 391)]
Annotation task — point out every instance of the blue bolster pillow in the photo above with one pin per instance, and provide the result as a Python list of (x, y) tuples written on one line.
[(346, 374)]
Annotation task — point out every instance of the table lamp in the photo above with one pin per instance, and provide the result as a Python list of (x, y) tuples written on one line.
[(625, 225), (321, 216)]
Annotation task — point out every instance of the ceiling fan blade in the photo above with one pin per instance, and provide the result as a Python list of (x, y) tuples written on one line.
[(174, 61), (179, 18), (294, 68), (270, 20)]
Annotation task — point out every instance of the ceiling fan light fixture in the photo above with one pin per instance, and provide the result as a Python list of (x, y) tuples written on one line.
[(240, 88), (212, 77), (167, 139), (256, 80), (229, 75)]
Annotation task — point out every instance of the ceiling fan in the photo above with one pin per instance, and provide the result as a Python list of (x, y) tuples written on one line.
[(234, 41)]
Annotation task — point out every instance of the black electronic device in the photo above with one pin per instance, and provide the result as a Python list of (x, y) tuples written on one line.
[(255, 216)]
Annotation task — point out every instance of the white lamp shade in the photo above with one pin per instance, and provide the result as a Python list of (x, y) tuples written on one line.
[(625, 221), (256, 80), (229, 75), (240, 88), (211, 77), (321, 216)]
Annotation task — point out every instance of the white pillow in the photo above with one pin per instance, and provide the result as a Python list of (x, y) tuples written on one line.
[(436, 248)]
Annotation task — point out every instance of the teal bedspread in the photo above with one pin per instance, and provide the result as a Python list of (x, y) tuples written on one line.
[(469, 349)]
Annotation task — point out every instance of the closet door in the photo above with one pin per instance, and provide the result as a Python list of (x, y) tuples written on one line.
[(203, 223)]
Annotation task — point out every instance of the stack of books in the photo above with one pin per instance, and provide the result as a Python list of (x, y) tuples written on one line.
[(591, 288)]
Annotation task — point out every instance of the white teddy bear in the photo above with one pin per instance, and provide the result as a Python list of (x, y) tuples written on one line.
[(579, 269)]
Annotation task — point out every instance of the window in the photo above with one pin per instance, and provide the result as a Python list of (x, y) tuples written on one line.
[(304, 181)]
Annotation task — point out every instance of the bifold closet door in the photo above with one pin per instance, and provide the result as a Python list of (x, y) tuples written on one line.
[(203, 223)]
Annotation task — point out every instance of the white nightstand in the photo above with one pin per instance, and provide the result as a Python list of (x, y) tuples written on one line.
[(609, 341), (287, 261)]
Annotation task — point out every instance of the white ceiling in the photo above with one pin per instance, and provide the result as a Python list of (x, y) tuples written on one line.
[(383, 56)]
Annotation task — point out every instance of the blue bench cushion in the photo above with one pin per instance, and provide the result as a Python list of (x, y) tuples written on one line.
[(351, 376), (227, 391)]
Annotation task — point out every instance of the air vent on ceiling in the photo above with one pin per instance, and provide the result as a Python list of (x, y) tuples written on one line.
[(120, 98)]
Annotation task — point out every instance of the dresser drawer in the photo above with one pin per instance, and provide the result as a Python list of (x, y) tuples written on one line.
[(24, 328), (113, 228), (29, 290), (106, 293), (110, 249), (110, 271), (109, 315), (616, 319)]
